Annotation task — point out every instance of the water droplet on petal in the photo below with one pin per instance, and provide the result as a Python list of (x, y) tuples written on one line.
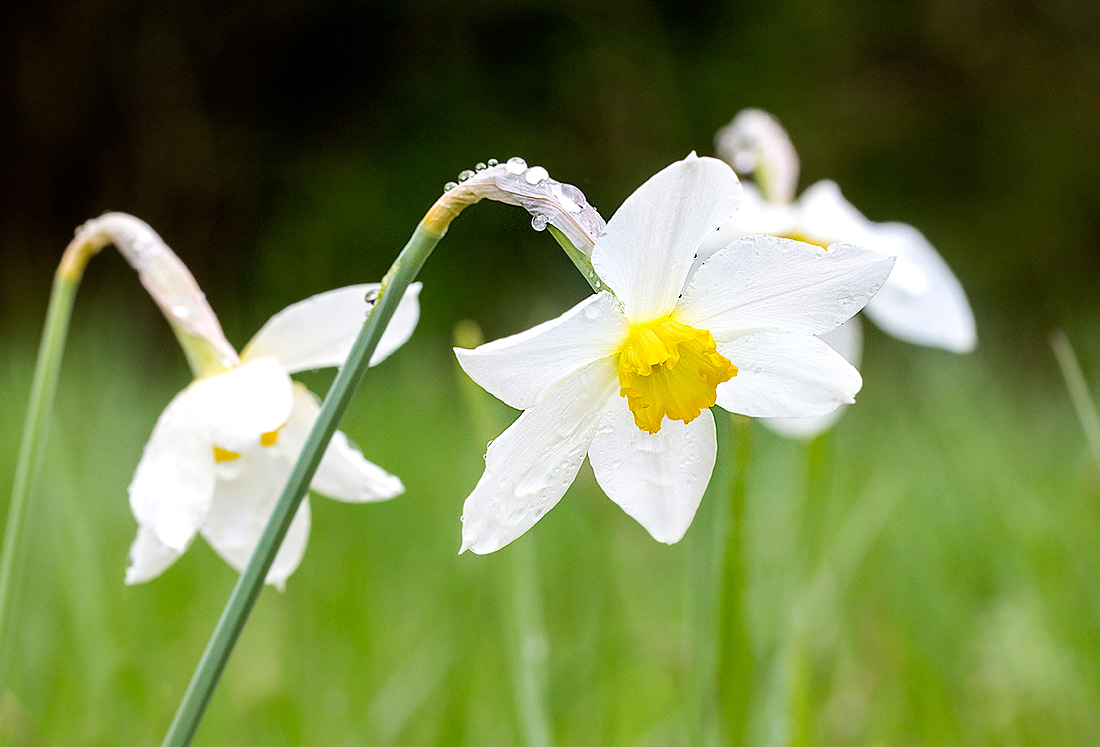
[(535, 175), (572, 198), (480, 166), (464, 175), (493, 162), (515, 165), (449, 186), (538, 222), (181, 312)]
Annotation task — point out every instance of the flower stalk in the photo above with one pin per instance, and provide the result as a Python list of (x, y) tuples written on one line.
[(512, 183), (183, 304), (735, 662), (29, 464), (401, 274)]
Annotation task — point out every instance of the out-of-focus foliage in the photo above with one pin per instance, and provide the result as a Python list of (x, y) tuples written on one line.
[(935, 582)]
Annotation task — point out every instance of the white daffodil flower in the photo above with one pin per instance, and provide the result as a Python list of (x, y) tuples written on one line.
[(922, 302), (626, 377), (223, 448)]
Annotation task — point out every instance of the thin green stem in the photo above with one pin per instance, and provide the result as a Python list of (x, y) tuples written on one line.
[(1078, 390), (404, 270), (29, 465), (735, 662), (530, 654), (703, 597)]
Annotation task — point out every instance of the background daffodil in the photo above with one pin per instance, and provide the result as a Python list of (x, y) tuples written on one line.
[(922, 302), (626, 377), (224, 446)]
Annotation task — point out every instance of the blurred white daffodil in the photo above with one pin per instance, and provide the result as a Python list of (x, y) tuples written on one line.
[(922, 302), (626, 377), (223, 448)]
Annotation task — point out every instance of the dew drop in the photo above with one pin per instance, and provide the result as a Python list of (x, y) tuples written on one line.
[(181, 312), (572, 198), (535, 175), (493, 162), (449, 186), (538, 222), (480, 166), (464, 175), (515, 165)]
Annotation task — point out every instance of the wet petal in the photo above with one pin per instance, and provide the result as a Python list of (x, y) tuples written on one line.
[(657, 479), (847, 339), (520, 369), (173, 485), (650, 242), (786, 375), (529, 467), (769, 283), (319, 331)]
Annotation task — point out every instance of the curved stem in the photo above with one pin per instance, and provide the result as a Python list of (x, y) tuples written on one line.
[(228, 630), (28, 466)]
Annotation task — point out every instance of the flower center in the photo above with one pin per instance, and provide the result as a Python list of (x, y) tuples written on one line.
[(225, 455), (669, 368)]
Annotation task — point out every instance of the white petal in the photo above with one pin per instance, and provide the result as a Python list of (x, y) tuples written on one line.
[(768, 283), (174, 481), (786, 375), (319, 331), (650, 241), (149, 557), (246, 402), (847, 339), (520, 369), (657, 479), (825, 218), (344, 473), (529, 467), (246, 493), (754, 215), (922, 302)]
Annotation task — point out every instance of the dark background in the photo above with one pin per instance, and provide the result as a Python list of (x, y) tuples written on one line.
[(285, 148)]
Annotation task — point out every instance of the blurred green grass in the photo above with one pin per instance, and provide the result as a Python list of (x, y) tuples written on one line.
[(923, 575)]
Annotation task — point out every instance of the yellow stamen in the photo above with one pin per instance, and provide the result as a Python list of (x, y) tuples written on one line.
[(669, 368), (224, 455)]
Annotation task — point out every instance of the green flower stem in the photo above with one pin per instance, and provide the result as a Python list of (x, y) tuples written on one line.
[(29, 465), (404, 270), (522, 605), (1078, 390), (735, 664)]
